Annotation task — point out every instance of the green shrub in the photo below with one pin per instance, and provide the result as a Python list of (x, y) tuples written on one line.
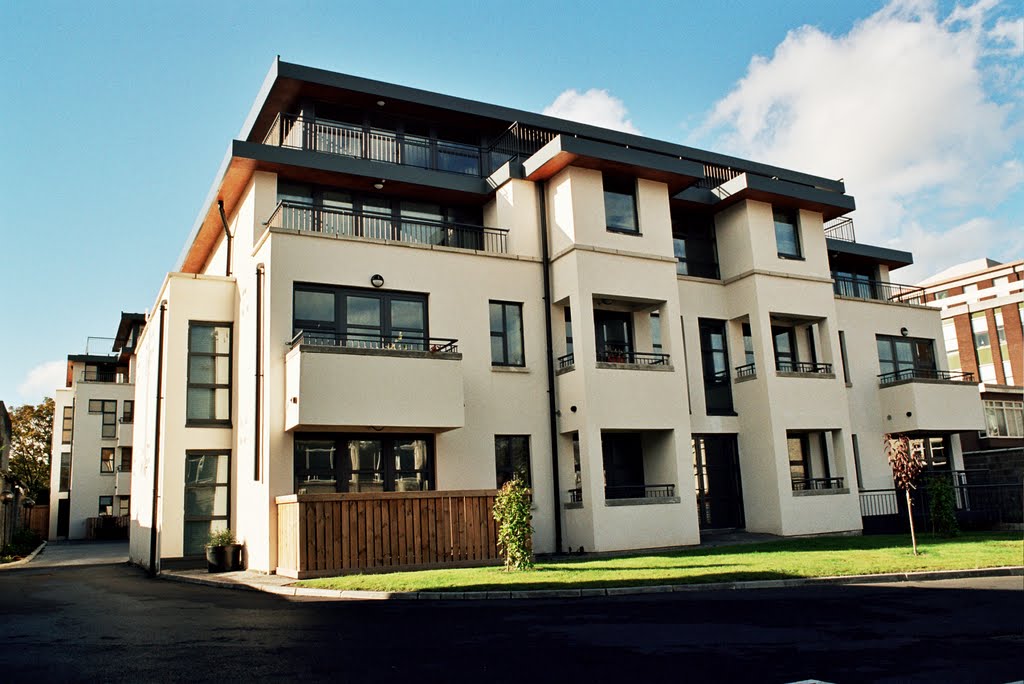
[(222, 538), (23, 542), (942, 506), (514, 518)]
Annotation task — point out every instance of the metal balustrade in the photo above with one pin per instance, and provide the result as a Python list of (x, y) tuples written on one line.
[(746, 371), (616, 354), (840, 229), (814, 483), (924, 374), (401, 342), (878, 290), (566, 361), (644, 491), (803, 367)]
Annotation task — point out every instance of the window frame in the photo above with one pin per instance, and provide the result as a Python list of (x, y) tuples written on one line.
[(107, 461), (185, 517), (67, 427), (503, 334), (916, 361), (109, 505), (210, 422), (121, 462), (339, 328), (792, 219), (128, 411), (506, 472), (690, 231), (622, 186), (389, 472), (64, 476), (793, 354), (1013, 418), (718, 399)]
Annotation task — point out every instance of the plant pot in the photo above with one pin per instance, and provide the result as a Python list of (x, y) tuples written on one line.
[(224, 558)]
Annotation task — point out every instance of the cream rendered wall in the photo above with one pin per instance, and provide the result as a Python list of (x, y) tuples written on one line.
[(515, 208), (61, 398), (141, 512)]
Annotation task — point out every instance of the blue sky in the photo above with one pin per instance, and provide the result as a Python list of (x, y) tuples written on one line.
[(117, 115)]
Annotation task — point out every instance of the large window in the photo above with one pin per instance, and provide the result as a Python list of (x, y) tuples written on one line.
[(952, 344), (108, 409), (787, 234), (983, 347), (809, 466), (368, 319), (1004, 418), (620, 204), (363, 463), (715, 361), (1004, 348), (623, 458), (123, 505), (902, 358), (206, 497), (209, 374), (512, 458), (507, 334), (613, 332), (126, 460), (67, 424), (693, 239), (106, 460), (784, 341), (65, 471)]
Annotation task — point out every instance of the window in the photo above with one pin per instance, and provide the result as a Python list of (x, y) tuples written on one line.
[(126, 460), (362, 463), (209, 374), (1004, 348), (67, 424), (941, 294), (123, 505), (901, 358), (784, 340), (512, 458), (809, 461), (613, 333), (693, 240), (983, 347), (856, 462), (656, 332), (106, 506), (748, 345), (846, 363), (106, 460), (65, 471), (715, 362), (128, 411), (366, 319), (108, 409), (620, 204), (507, 334), (855, 284), (787, 235), (568, 331), (951, 343), (623, 457), (1004, 418), (206, 498)]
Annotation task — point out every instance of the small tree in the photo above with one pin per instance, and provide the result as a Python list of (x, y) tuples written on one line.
[(905, 468), (515, 529), (31, 435), (942, 506)]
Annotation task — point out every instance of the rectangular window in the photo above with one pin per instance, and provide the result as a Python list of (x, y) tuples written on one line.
[(67, 424), (65, 471), (787, 234), (1004, 348), (951, 343), (983, 347), (715, 362), (842, 353), (363, 463), (123, 505), (748, 345), (784, 340), (1004, 418), (512, 458), (799, 459), (902, 358), (693, 240), (365, 319), (656, 332), (106, 460), (126, 460), (568, 331), (613, 335), (106, 506), (206, 498), (507, 334), (623, 457), (208, 399), (620, 204), (856, 462), (109, 428), (128, 411)]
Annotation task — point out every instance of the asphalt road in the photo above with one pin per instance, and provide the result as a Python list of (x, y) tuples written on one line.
[(61, 621)]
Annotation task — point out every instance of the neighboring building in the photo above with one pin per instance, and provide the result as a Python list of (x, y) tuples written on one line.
[(8, 490), (91, 463), (421, 292)]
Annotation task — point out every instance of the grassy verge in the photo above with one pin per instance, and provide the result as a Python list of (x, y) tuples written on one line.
[(794, 558)]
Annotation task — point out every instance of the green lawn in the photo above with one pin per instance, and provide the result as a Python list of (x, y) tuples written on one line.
[(793, 558)]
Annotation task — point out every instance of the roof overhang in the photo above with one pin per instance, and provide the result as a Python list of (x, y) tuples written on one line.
[(856, 253), (93, 358), (773, 190)]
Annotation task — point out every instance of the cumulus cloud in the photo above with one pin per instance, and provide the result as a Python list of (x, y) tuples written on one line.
[(905, 108), (595, 107), (42, 380)]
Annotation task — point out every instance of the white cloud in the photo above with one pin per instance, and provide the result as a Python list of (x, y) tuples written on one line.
[(595, 107), (905, 108), (42, 380)]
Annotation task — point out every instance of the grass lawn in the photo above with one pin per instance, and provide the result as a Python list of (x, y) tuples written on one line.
[(793, 558)]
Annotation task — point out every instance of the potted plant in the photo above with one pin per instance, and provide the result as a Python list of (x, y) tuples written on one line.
[(223, 552)]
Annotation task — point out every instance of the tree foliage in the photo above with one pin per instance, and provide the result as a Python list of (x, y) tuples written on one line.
[(906, 466), (31, 440), (515, 530), (942, 506)]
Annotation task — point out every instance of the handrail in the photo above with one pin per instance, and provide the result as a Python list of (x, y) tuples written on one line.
[(746, 371), (576, 495), (566, 361), (878, 290), (841, 229), (643, 491), (924, 374), (115, 377), (616, 354), (803, 367), (801, 484), (308, 218), (351, 340)]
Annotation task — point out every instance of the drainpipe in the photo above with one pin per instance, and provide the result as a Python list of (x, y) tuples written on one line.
[(552, 421), (153, 555), (257, 416), (227, 235)]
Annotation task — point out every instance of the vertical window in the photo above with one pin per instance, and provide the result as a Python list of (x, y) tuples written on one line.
[(952, 345), (846, 363), (126, 460), (512, 458), (506, 334), (108, 409), (983, 347), (623, 457), (799, 459), (106, 460), (784, 340), (209, 374), (856, 462), (715, 361), (613, 334), (67, 424), (694, 244), (748, 345), (656, 332), (787, 235), (65, 471), (1004, 348), (206, 498), (577, 469), (620, 204), (106, 506), (128, 411), (568, 331), (123, 505)]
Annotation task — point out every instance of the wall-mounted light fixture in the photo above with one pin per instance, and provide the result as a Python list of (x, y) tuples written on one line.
[(379, 186), (377, 280), (380, 103), (904, 332)]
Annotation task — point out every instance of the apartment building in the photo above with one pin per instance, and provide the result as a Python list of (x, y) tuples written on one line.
[(391, 293), (91, 456)]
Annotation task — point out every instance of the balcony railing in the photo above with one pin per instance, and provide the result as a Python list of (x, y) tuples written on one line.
[(576, 495), (614, 354), (566, 361), (400, 342), (330, 221), (924, 374), (746, 371), (376, 144), (803, 367), (862, 288), (840, 229), (519, 141), (815, 483), (104, 376), (645, 491)]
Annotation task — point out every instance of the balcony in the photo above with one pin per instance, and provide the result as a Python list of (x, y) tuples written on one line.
[(804, 368), (347, 381), (633, 495), (375, 144), (566, 362), (815, 484), (118, 377), (618, 355), (304, 218), (929, 400), (746, 372), (840, 229), (877, 290)]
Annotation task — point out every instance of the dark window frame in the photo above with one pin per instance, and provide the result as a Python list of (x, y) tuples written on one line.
[(783, 359), (64, 481), (622, 186), (124, 505), (128, 411), (790, 218), (691, 241), (106, 501), (67, 424), (916, 362), (122, 462), (189, 384), (339, 325), (389, 472), (718, 399), (504, 472), (503, 334), (107, 460), (189, 453)]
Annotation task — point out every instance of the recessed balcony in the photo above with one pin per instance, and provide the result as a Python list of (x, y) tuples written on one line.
[(930, 400), (345, 381)]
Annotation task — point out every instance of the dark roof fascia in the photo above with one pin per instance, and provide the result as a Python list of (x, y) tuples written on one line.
[(613, 153), (798, 191), (298, 72), (261, 98), (124, 328), (93, 358), (893, 258)]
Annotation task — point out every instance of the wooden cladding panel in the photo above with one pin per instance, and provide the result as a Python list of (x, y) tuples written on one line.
[(333, 534)]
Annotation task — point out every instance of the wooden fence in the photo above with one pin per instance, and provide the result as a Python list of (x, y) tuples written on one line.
[(333, 534), (107, 527)]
